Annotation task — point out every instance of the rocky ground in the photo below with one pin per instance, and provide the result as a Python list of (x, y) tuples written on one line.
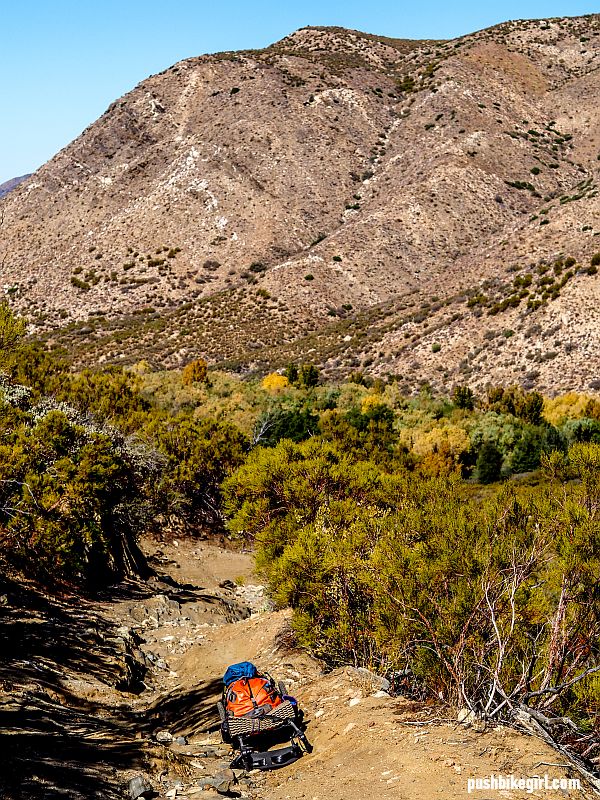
[(116, 698)]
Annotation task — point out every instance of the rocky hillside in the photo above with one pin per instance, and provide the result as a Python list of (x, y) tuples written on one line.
[(424, 209)]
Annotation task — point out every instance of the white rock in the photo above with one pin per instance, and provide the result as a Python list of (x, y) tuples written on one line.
[(466, 716), (354, 701)]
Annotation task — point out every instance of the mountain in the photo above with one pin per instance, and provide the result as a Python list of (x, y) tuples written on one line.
[(423, 209), (8, 186)]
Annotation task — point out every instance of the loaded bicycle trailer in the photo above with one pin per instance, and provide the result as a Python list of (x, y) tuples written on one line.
[(256, 712)]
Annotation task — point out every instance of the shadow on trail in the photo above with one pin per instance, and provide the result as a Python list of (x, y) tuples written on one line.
[(186, 712), (162, 584), (49, 751), (44, 637), (57, 740)]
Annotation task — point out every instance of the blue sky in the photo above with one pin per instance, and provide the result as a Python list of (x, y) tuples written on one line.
[(63, 62)]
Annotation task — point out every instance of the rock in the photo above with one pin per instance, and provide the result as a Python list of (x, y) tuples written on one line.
[(164, 737), (140, 786), (354, 701), (380, 693), (206, 752), (222, 781), (377, 681), (180, 740), (205, 783), (465, 716)]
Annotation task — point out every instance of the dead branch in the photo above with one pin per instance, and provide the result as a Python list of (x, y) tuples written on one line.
[(539, 725)]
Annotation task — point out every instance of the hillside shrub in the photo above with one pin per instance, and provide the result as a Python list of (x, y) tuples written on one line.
[(274, 383), (195, 372), (476, 599), (69, 497)]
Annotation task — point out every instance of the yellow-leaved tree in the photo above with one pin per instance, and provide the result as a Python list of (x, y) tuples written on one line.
[(194, 372), (274, 383)]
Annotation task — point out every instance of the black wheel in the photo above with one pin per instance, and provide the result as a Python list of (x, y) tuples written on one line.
[(225, 735), (306, 744), (282, 688), (221, 710)]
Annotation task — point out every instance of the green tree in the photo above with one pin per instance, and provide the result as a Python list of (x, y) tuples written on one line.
[(308, 376), (12, 330), (463, 397), (291, 373), (489, 463), (296, 424)]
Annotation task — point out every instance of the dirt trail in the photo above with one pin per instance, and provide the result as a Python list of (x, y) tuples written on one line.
[(156, 653)]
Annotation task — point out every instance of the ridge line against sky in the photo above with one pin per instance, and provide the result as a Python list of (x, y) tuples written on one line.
[(64, 62)]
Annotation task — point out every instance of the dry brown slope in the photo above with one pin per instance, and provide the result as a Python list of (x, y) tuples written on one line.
[(346, 186)]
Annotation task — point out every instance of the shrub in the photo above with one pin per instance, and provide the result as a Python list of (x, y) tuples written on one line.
[(308, 376), (400, 572), (69, 498), (200, 454), (195, 372), (79, 284), (12, 330), (274, 383), (463, 397)]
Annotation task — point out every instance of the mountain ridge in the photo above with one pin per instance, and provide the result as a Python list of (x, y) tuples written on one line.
[(12, 183)]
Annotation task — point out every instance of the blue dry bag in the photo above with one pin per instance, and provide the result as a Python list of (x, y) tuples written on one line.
[(236, 671)]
